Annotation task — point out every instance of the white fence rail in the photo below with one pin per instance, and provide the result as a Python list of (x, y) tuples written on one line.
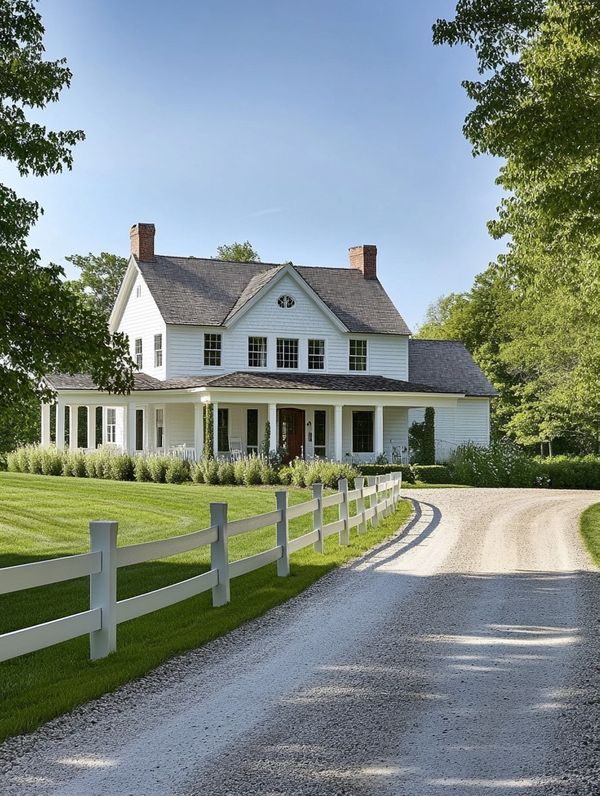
[(105, 559)]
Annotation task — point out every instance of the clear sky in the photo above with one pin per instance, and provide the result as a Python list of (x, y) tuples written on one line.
[(305, 128)]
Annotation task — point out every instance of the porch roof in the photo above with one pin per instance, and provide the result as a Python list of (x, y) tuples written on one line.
[(257, 381)]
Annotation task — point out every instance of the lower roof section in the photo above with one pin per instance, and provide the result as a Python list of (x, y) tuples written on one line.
[(258, 381)]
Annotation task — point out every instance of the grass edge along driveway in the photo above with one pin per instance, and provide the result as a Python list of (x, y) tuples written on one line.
[(590, 530), (44, 517)]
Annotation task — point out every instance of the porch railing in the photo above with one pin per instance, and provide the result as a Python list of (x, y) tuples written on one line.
[(372, 501)]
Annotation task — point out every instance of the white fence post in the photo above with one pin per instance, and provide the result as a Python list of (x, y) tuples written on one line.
[(103, 588), (372, 481), (219, 554), (359, 483), (319, 546), (343, 512), (283, 564)]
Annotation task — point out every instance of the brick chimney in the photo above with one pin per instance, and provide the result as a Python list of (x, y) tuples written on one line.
[(364, 259), (142, 242)]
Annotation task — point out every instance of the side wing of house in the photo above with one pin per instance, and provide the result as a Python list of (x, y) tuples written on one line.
[(468, 422)]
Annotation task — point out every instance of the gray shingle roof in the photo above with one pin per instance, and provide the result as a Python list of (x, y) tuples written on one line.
[(447, 366), (204, 292), (81, 381), (256, 381), (316, 381)]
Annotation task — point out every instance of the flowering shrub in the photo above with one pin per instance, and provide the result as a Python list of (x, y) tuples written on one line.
[(503, 463)]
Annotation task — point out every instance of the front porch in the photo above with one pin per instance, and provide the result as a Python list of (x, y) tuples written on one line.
[(343, 432)]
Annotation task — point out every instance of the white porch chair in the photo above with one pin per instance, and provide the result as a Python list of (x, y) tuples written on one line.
[(235, 448)]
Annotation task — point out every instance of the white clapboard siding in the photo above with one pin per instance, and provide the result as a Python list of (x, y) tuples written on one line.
[(473, 421), (387, 354), (141, 318)]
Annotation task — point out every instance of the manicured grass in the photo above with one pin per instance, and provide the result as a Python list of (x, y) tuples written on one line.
[(45, 517), (590, 530)]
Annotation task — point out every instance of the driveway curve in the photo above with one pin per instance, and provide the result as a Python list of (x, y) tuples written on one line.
[(460, 657)]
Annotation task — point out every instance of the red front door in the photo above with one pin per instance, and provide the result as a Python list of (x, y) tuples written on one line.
[(291, 433)]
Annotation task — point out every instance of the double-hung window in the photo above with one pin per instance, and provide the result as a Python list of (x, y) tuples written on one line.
[(158, 351), (320, 432), (287, 353), (357, 359), (111, 425), (251, 431), (316, 354), (223, 430), (257, 352), (138, 353), (160, 428), (212, 350), (362, 432)]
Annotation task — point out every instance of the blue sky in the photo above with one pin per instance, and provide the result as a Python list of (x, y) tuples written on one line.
[(305, 128)]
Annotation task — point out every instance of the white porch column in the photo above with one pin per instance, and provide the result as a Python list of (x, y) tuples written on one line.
[(215, 429), (273, 427), (73, 426), (91, 428), (45, 426), (60, 424), (378, 430), (337, 433), (130, 427), (198, 430)]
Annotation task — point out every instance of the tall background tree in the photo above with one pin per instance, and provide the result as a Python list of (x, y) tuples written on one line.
[(238, 252), (531, 319), (99, 279), (45, 326)]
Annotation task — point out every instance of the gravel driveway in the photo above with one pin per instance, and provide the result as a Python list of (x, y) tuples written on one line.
[(462, 657)]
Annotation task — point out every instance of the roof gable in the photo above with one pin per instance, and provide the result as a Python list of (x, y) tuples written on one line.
[(206, 292), (264, 283)]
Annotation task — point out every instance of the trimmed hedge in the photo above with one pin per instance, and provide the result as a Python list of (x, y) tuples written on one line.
[(408, 475), (571, 472), (432, 473)]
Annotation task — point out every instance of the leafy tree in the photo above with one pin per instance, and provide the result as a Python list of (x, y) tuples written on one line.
[(537, 105), (238, 252), (44, 325), (422, 438), (100, 279)]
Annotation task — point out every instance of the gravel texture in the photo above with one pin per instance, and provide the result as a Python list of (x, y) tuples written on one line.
[(461, 657)]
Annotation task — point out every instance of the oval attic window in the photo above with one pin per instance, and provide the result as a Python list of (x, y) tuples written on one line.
[(286, 302)]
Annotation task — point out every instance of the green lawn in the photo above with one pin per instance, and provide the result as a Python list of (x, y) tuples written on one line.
[(590, 530), (45, 517)]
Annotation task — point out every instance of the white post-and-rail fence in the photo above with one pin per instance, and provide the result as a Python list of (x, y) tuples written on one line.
[(105, 558)]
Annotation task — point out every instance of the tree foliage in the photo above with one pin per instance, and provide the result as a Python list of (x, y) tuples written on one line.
[(537, 105), (238, 252), (44, 325), (100, 278)]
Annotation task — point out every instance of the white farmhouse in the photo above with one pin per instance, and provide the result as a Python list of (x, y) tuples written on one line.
[(320, 353)]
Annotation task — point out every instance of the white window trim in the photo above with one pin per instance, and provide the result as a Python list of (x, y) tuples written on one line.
[(158, 350), (366, 341), (316, 370), (111, 425), (214, 334), (266, 339)]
